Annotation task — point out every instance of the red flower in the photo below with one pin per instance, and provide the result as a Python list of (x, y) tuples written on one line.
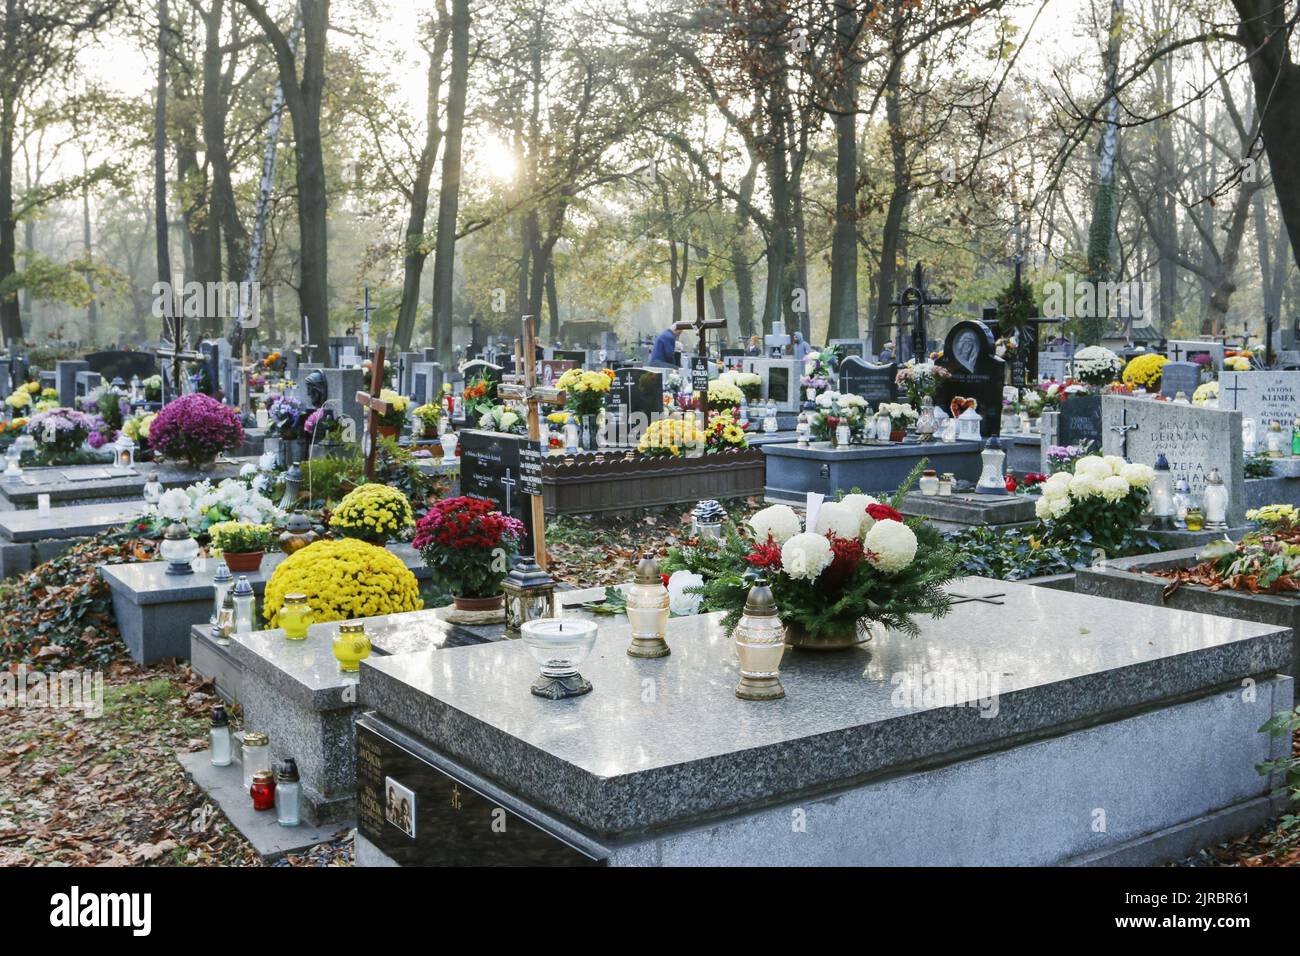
[(665, 577), (883, 513), (766, 555)]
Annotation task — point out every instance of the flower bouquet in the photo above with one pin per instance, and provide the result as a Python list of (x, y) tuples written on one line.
[(860, 565), (470, 546), (724, 394), (749, 383), (22, 397), (108, 404), (1097, 366), (391, 421), (512, 419), (373, 512), (288, 417), (725, 432), (672, 438), (429, 415), (345, 579), (920, 380), (584, 391), (901, 417), (818, 372), (323, 425), (153, 388), (201, 505), (137, 428), (60, 431), (1100, 501), (1206, 394), (196, 428), (834, 408)]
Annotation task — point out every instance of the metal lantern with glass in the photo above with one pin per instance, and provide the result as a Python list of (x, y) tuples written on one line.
[(178, 549), (530, 594), (647, 611)]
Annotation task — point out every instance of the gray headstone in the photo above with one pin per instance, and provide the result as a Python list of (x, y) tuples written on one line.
[(406, 366), (1194, 440), (779, 381), (426, 384), (1185, 350), (66, 372), (85, 383), (342, 385), (1263, 396), (299, 386), (1178, 377), (875, 383)]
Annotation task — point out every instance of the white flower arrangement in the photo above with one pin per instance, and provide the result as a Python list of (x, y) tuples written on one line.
[(898, 411), (679, 602), (835, 517), (1097, 365), (201, 505), (891, 545), (858, 505), (846, 401), (778, 521), (806, 555)]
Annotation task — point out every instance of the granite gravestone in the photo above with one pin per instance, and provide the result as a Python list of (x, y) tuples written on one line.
[(779, 381), (974, 372), (1264, 396), (552, 369), (845, 348), (122, 364), (875, 383), (426, 382), (1193, 439), (640, 390), (733, 358), (1183, 350), (344, 345), (491, 467), (341, 387), (1080, 422), (406, 371), (1178, 377), (85, 383), (66, 372)]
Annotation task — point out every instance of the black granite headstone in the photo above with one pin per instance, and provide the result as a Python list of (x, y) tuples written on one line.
[(491, 468), (974, 372), (640, 389), (1080, 422), (123, 365), (875, 383)]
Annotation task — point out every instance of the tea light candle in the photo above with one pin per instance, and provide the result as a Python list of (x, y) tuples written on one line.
[(559, 645)]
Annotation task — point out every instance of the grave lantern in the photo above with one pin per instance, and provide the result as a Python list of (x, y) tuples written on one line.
[(222, 579), (13, 463), (137, 390), (1162, 495), (530, 595), (1248, 436), (1182, 503), (1275, 439), (968, 425), (992, 459), (760, 643), (153, 489), (647, 611), (244, 601), (292, 483), (1216, 502), (179, 549), (707, 519), (124, 451)]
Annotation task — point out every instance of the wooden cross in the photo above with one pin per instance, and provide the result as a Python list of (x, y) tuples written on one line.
[(523, 387), (699, 325), (178, 353), (376, 406)]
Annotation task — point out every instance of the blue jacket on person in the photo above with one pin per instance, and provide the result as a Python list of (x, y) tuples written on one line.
[(665, 350)]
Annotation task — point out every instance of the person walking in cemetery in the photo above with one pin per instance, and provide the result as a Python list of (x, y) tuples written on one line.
[(664, 353)]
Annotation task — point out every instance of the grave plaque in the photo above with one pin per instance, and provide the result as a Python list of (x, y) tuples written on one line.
[(490, 467), (1178, 377), (1263, 396), (1193, 439), (122, 364), (847, 348), (426, 379), (86, 382), (552, 369), (419, 814), (530, 469), (875, 383), (974, 372), (1080, 422), (699, 373)]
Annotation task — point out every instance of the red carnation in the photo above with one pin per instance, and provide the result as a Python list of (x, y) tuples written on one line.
[(883, 513)]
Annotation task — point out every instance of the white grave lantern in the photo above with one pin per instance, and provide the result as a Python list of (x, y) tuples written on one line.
[(992, 458), (1162, 494), (1216, 501), (1248, 436), (124, 451), (968, 425)]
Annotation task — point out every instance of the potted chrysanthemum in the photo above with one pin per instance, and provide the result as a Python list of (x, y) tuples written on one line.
[(241, 543), (470, 546), (373, 512), (196, 429)]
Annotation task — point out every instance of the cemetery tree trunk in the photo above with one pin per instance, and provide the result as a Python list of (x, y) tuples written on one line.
[(741, 269), (844, 240), (898, 200), (1101, 228), (1266, 31), (10, 318), (222, 209), (303, 100), (444, 256), (417, 248), (162, 253)]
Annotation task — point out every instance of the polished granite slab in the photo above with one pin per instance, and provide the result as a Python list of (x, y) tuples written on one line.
[(666, 742), (72, 521), (84, 484)]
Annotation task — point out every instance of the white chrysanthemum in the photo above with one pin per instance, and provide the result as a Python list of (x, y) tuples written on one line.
[(1116, 463), (858, 505), (779, 521), (839, 518), (806, 556), (1139, 476), (892, 545), (1114, 488), (679, 602), (1093, 465), (1057, 486), (1061, 507), (174, 504), (1043, 508), (1084, 486)]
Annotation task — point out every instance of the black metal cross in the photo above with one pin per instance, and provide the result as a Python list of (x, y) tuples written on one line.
[(699, 325), (177, 351), (917, 297), (1178, 352), (1235, 388)]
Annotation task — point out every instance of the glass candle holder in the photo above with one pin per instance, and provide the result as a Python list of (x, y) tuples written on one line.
[(255, 755), (760, 644), (647, 612), (559, 645), (295, 616), (351, 646)]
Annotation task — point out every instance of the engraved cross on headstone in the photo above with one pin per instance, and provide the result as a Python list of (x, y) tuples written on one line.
[(509, 482), (1234, 388)]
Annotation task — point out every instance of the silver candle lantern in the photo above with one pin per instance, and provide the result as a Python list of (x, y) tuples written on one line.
[(647, 611)]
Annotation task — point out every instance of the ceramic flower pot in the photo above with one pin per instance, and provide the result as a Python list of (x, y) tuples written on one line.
[(430, 433), (388, 431), (798, 638), (897, 435), (243, 561), (493, 603)]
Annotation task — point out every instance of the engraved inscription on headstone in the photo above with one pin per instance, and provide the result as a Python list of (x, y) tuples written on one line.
[(1263, 396), (1178, 377), (875, 383), (490, 467)]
